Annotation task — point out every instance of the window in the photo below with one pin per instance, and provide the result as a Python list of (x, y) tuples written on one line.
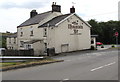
[(21, 43), (9, 40), (14, 40), (45, 32), (21, 34), (45, 47), (92, 41), (31, 33)]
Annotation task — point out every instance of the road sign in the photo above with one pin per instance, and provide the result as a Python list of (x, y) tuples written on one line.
[(116, 34)]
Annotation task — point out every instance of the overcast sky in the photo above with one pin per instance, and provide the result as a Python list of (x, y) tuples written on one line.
[(15, 12)]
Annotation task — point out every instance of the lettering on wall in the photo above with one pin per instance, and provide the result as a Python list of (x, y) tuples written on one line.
[(75, 27)]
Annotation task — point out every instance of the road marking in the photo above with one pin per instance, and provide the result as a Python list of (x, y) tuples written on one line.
[(64, 80), (103, 66)]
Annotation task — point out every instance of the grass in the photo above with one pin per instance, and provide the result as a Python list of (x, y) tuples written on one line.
[(5, 64), (13, 64)]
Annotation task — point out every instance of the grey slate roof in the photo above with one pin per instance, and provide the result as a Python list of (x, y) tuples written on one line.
[(55, 20), (36, 19), (13, 35)]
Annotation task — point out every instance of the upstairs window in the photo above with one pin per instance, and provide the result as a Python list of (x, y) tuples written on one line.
[(9, 40), (45, 32), (21, 34), (14, 40), (31, 33)]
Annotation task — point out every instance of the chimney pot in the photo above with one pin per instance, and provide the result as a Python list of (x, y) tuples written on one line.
[(72, 10), (33, 13), (56, 8)]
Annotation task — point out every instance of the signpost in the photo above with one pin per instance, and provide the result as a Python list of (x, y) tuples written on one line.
[(116, 35)]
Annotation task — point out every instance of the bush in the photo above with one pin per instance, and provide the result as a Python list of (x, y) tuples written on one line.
[(102, 46), (113, 46)]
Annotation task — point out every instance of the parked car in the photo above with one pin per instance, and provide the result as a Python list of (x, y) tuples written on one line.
[(1, 50), (99, 43)]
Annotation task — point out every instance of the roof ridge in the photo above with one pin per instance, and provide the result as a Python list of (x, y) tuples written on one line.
[(35, 18), (44, 12), (57, 18)]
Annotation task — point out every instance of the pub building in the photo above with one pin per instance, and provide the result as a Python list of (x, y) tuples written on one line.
[(52, 32)]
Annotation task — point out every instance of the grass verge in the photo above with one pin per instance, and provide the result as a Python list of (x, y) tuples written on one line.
[(15, 65)]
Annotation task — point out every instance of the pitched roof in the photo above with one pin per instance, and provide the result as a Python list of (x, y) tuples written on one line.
[(13, 35), (55, 20), (59, 19), (36, 19)]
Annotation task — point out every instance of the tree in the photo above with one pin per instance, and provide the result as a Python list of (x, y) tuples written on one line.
[(105, 30)]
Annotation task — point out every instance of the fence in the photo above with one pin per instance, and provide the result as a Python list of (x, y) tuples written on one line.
[(18, 52)]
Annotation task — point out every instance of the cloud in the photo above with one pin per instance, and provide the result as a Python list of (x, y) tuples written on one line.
[(27, 4)]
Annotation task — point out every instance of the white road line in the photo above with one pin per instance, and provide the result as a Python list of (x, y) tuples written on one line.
[(64, 80), (103, 66)]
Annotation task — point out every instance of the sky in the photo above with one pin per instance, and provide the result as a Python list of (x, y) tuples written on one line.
[(15, 12)]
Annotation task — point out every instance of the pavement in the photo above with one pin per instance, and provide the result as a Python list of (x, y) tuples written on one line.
[(106, 47), (98, 65)]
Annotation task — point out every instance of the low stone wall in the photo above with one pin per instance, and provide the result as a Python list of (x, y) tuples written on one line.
[(18, 52)]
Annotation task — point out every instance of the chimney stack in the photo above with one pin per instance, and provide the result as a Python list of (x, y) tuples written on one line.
[(56, 8), (33, 13), (72, 10)]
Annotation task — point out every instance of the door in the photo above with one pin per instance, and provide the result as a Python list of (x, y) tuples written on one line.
[(64, 48)]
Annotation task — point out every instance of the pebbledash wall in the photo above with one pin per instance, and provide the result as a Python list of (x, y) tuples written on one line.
[(54, 30)]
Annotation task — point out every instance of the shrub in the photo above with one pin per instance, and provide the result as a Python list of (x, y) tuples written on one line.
[(113, 46), (102, 46)]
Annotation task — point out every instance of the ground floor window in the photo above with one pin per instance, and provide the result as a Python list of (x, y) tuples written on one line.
[(45, 47)]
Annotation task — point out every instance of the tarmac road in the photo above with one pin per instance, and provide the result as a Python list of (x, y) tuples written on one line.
[(98, 65)]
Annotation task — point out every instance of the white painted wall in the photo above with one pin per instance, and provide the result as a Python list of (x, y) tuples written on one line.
[(39, 48), (12, 43), (61, 35), (37, 32)]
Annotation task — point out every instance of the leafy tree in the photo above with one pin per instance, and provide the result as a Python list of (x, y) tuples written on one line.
[(105, 30)]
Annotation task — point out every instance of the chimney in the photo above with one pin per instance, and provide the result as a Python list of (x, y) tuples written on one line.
[(56, 8), (72, 10), (33, 13)]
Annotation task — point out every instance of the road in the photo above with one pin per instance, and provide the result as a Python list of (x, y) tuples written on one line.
[(96, 65)]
